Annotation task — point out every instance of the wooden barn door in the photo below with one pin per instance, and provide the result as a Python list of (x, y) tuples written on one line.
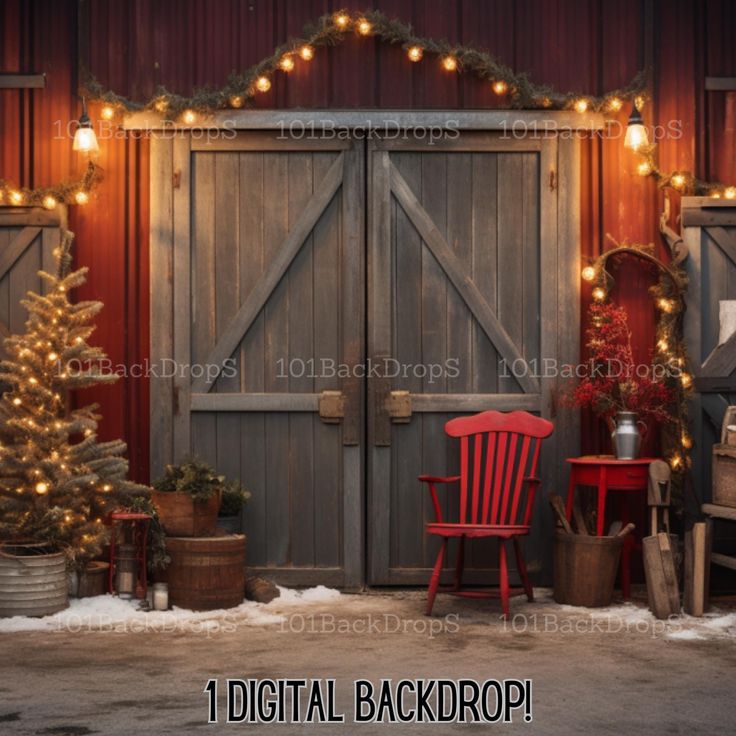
[(709, 231), (27, 239), (267, 260), (472, 278)]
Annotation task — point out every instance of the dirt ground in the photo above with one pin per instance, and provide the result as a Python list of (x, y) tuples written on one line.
[(593, 679)]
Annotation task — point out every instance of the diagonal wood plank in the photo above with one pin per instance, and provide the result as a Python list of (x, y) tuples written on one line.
[(715, 407), (462, 282), (249, 310), (17, 247), (722, 361), (724, 240)]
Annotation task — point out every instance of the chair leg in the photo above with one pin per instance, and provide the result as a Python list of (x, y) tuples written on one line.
[(434, 581), (521, 567), (504, 576), (460, 563)]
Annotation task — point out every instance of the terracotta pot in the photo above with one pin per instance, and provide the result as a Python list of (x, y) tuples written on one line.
[(181, 516)]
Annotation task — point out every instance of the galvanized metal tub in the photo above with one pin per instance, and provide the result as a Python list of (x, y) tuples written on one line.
[(33, 582)]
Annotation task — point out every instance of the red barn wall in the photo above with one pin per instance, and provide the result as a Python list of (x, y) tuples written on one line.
[(587, 46)]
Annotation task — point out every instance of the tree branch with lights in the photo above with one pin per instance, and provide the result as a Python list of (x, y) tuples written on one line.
[(58, 481)]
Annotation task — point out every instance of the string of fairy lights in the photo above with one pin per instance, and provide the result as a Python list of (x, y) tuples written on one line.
[(670, 351), (515, 88)]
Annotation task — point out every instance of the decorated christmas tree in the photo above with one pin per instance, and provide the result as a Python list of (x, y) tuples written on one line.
[(58, 482)]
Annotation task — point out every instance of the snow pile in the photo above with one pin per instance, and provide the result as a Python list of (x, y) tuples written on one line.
[(109, 613)]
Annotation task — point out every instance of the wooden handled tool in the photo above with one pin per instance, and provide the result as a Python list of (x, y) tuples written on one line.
[(626, 530), (559, 508)]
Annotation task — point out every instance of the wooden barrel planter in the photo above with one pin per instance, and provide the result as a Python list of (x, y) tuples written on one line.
[(206, 573), (93, 579), (33, 582), (585, 569), (181, 516)]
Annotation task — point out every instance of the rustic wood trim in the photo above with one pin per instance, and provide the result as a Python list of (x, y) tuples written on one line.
[(161, 296), (722, 361), (719, 512), (25, 216), (17, 248), (464, 285), (542, 120), (716, 385), (725, 241), (266, 140), (181, 255), (475, 402), (720, 84), (254, 402), (714, 406), (250, 308), (473, 142), (706, 212), (11, 80)]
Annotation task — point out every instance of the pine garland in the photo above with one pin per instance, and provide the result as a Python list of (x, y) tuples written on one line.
[(66, 192)]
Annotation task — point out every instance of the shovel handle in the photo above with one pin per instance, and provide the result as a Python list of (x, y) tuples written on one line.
[(626, 530)]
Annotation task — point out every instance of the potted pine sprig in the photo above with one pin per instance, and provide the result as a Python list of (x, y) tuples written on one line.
[(234, 498), (187, 498)]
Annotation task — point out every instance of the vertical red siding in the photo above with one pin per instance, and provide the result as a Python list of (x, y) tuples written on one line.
[(134, 46)]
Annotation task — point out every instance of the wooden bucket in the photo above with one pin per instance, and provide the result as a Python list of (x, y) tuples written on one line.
[(31, 584), (93, 579), (585, 569), (181, 516), (205, 573)]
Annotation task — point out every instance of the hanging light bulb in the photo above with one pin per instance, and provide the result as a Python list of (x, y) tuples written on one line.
[(581, 105), (678, 181), (686, 380), (449, 63), (81, 197), (666, 305), (263, 84), (615, 104), (599, 294), (415, 53), (588, 273), (730, 193), (236, 101), (107, 112), (644, 168), (364, 27), (636, 134), (500, 87), (286, 64), (341, 20), (49, 202), (188, 117), (307, 52), (42, 488), (16, 197), (85, 139)]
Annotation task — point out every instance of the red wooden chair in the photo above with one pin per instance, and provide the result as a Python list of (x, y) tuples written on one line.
[(498, 465)]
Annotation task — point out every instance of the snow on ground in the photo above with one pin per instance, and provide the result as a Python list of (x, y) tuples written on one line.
[(112, 614)]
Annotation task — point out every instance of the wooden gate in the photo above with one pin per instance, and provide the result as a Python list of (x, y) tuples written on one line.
[(473, 274), (709, 231), (28, 237), (262, 267), (265, 254)]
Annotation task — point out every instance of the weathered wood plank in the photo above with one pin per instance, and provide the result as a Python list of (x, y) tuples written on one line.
[(17, 247), (31, 216), (469, 402), (724, 240), (722, 361), (462, 282), (161, 301), (287, 250), (268, 140)]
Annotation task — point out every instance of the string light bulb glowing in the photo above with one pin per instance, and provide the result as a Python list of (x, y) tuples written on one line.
[(599, 294), (236, 101), (686, 441), (644, 168), (81, 197), (307, 52), (342, 20), (286, 64), (107, 112), (615, 104), (263, 84), (663, 345), (17, 401), (666, 305), (415, 53), (686, 380), (588, 273), (449, 63), (678, 181), (42, 488), (161, 105), (365, 28), (500, 87), (730, 193), (49, 202), (581, 105), (189, 117), (16, 197)]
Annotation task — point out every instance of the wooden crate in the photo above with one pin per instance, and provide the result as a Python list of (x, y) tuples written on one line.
[(724, 475)]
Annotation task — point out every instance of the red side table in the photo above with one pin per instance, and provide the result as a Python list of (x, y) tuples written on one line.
[(606, 473)]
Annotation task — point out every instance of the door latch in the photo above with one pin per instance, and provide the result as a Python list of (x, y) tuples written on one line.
[(331, 407), (398, 406)]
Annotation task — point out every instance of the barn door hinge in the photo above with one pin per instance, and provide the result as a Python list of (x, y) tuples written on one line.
[(398, 406), (552, 180), (331, 407)]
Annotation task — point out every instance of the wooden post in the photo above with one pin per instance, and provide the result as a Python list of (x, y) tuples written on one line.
[(697, 568)]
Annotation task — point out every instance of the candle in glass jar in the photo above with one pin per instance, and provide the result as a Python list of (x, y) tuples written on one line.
[(160, 596)]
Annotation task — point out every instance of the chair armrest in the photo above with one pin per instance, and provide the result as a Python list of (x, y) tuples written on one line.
[(432, 479)]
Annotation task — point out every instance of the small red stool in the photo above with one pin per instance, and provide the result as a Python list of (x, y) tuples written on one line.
[(140, 523), (606, 473)]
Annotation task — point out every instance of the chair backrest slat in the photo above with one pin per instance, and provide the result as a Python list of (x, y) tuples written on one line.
[(500, 464), (477, 458), (463, 479)]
